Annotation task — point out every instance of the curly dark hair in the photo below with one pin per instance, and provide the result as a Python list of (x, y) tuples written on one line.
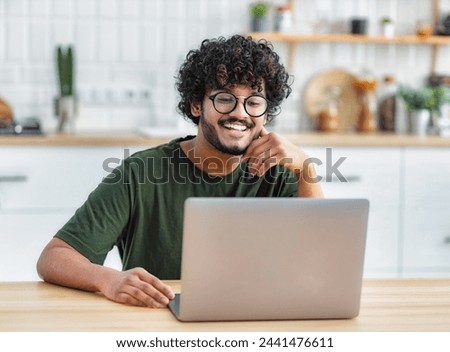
[(221, 63)]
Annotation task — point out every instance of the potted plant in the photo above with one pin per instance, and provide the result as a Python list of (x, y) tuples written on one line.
[(259, 12), (424, 105), (65, 103), (387, 27)]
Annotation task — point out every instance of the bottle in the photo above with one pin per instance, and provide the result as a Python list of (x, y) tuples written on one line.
[(387, 104), (366, 86), (283, 19)]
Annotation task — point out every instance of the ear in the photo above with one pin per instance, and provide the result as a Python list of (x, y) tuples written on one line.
[(196, 109)]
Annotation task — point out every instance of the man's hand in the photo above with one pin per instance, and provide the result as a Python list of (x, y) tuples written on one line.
[(271, 149), (137, 287)]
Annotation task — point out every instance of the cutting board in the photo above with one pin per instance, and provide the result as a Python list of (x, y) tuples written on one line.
[(349, 103)]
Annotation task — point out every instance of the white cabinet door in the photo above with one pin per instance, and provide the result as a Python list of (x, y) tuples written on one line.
[(372, 173), (427, 212), (52, 178), (23, 236), (40, 189)]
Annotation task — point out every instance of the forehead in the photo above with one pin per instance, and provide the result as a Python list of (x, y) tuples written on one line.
[(242, 90)]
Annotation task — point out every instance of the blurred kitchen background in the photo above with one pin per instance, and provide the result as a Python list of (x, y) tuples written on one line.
[(127, 52), (347, 72)]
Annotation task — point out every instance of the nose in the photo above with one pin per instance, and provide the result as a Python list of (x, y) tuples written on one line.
[(239, 110)]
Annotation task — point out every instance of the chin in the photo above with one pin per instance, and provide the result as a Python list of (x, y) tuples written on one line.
[(232, 149)]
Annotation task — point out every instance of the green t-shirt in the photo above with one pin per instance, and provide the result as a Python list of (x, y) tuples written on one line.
[(139, 207)]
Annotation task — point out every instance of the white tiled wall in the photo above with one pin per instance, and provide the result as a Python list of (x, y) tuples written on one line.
[(136, 46)]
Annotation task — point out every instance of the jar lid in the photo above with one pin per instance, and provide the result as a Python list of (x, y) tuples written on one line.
[(283, 8)]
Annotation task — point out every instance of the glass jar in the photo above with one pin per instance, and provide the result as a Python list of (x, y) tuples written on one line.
[(283, 19), (328, 117), (366, 88)]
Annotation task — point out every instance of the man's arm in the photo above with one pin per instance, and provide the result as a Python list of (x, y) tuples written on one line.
[(308, 185), (61, 264), (271, 149)]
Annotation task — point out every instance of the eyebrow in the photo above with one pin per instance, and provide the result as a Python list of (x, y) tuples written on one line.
[(227, 90)]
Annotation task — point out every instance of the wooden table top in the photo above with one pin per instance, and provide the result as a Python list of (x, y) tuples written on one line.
[(386, 305)]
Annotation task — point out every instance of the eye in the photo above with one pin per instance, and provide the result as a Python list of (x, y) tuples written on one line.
[(255, 101), (224, 99)]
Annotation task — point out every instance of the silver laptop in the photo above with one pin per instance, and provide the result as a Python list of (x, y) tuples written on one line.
[(271, 259)]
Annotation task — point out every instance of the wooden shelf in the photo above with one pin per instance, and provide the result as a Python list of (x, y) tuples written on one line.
[(293, 39), (350, 38)]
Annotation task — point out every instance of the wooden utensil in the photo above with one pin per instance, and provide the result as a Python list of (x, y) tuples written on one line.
[(349, 104)]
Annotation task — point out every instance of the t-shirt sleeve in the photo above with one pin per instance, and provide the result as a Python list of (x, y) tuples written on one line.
[(100, 222)]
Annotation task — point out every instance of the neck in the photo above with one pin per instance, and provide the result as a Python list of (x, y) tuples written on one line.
[(209, 159)]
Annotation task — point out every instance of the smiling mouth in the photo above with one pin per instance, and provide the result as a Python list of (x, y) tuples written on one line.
[(236, 126)]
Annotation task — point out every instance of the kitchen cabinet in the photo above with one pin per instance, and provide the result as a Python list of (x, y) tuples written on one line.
[(40, 189), (23, 236), (372, 173), (50, 178), (426, 229), (408, 188)]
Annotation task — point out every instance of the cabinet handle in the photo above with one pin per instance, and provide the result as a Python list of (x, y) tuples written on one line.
[(348, 178), (447, 239), (13, 178)]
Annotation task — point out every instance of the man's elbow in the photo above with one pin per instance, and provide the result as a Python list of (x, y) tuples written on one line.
[(49, 258), (42, 264)]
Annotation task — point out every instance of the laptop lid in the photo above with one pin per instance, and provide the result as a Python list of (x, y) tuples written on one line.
[(271, 258)]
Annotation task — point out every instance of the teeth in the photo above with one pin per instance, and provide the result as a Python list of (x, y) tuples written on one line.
[(236, 127)]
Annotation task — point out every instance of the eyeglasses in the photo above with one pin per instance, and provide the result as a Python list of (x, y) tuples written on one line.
[(254, 105)]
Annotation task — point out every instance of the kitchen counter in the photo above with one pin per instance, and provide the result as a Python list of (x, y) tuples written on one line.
[(302, 139), (82, 139), (386, 305)]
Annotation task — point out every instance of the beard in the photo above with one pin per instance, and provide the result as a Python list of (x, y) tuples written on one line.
[(212, 138)]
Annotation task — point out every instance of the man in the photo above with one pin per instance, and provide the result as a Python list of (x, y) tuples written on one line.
[(230, 88)]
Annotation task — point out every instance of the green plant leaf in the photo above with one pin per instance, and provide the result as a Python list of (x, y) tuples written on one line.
[(430, 98), (259, 9)]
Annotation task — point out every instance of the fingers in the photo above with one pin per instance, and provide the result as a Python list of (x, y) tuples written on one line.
[(138, 299), (264, 132), (157, 284), (270, 150), (259, 164), (138, 287), (261, 154), (151, 291), (143, 294), (258, 146)]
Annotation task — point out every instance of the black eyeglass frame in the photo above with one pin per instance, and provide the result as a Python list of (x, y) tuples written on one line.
[(213, 97)]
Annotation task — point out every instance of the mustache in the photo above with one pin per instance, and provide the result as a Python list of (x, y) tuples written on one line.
[(246, 123)]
